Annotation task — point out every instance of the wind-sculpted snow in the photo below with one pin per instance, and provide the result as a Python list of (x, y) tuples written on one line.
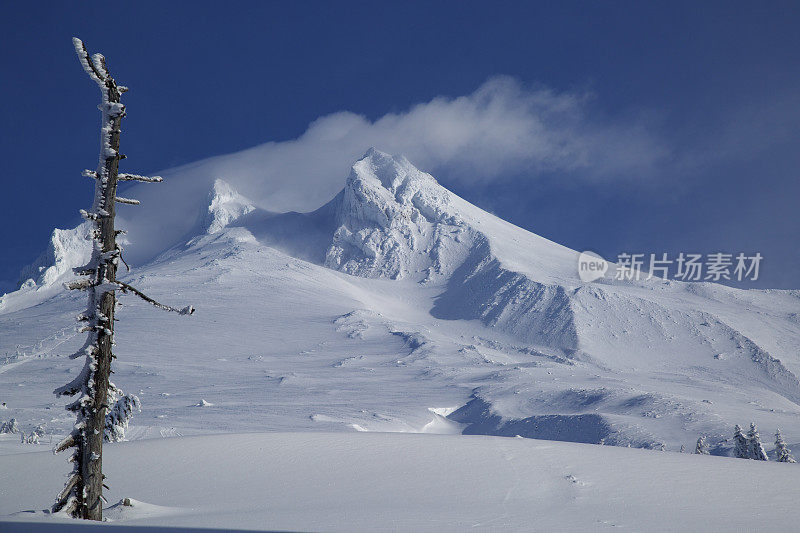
[(225, 206), (43, 278), (369, 482), (480, 420), (395, 221), (533, 312), (68, 248), (398, 301)]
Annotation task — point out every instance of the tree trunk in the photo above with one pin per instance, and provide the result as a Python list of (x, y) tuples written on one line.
[(92, 464), (82, 496)]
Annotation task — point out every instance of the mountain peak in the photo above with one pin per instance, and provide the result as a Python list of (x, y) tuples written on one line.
[(225, 206), (391, 172), (390, 219), (67, 248)]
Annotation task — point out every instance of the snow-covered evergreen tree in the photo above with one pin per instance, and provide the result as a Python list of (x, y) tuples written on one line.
[(10, 427), (702, 446), (29, 438), (740, 445), (755, 450), (782, 453), (120, 414)]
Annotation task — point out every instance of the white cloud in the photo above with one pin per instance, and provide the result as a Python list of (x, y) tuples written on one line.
[(500, 129)]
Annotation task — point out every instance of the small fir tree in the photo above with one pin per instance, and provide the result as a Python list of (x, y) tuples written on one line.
[(740, 448), (120, 414), (782, 453), (702, 446), (755, 448), (10, 427)]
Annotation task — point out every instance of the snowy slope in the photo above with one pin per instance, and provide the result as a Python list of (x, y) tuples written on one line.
[(392, 482), (399, 306)]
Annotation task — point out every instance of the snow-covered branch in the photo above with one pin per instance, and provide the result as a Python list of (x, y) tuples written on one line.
[(67, 442), (137, 177), (124, 287), (99, 64), (79, 285), (88, 62), (129, 201)]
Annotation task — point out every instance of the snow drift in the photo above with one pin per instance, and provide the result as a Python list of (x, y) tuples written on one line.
[(392, 482)]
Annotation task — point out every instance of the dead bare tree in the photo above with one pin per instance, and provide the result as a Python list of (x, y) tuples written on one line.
[(83, 492)]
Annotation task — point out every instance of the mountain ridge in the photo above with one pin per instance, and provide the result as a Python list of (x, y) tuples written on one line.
[(473, 305)]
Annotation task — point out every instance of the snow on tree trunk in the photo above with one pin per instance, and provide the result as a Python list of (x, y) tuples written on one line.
[(754, 446), (782, 452), (83, 493)]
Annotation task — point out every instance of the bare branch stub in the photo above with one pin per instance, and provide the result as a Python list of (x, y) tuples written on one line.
[(124, 287)]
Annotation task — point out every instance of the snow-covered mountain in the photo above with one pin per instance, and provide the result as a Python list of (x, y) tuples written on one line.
[(399, 306)]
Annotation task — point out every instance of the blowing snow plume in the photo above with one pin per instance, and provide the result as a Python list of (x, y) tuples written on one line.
[(502, 127)]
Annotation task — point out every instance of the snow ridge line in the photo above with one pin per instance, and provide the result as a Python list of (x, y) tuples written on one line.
[(481, 288), (783, 380)]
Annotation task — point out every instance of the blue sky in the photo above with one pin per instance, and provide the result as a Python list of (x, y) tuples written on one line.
[(679, 121)]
